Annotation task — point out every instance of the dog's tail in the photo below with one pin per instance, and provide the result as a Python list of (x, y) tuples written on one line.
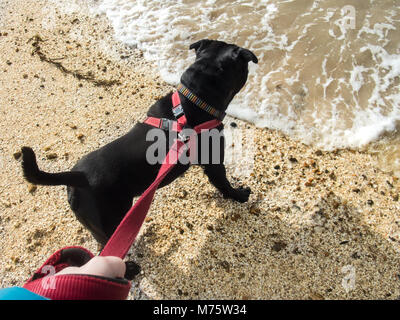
[(34, 175)]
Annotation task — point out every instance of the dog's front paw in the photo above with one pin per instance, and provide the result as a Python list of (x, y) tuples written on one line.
[(240, 194)]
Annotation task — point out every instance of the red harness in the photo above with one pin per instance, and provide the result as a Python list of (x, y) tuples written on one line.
[(168, 124), (86, 287)]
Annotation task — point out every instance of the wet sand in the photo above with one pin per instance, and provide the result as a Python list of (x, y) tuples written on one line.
[(315, 221)]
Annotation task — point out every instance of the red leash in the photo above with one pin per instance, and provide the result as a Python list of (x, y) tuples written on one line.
[(125, 234), (84, 287)]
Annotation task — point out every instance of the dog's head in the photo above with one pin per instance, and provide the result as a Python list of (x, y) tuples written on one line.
[(219, 72)]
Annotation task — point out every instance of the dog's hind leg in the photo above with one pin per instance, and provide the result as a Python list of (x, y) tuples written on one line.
[(102, 214), (114, 208), (86, 209), (132, 269)]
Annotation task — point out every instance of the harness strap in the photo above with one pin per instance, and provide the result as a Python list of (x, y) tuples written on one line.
[(167, 124), (176, 104), (163, 123)]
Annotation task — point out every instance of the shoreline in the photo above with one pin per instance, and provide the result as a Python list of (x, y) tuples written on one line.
[(311, 214)]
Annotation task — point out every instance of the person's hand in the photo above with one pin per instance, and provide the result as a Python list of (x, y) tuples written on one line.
[(110, 267)]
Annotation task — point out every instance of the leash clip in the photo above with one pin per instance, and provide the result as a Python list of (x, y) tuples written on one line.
[(183, 137)]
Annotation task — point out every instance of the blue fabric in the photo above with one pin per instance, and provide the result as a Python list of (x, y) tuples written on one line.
[(17, 293)]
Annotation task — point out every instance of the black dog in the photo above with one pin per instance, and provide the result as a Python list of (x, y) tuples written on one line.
[(102, 184)]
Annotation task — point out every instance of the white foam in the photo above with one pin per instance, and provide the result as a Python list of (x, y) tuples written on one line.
[(356, 77)]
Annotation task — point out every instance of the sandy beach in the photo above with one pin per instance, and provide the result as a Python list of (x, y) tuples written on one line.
[(318, 225)]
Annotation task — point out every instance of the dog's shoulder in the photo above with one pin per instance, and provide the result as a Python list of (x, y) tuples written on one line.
[(162, 108)]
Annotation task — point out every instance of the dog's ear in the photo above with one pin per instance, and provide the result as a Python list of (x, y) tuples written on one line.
[(199, 45), (248, 55)]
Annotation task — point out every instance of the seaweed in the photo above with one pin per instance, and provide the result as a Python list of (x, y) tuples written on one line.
[(36, 40)]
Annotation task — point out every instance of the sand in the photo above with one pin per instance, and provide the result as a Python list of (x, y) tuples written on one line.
[(318, 225)]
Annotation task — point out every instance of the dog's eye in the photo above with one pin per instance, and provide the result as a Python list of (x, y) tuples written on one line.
[(235, 53)]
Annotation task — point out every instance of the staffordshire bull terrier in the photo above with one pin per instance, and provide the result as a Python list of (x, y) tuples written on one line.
[(103, 183)]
